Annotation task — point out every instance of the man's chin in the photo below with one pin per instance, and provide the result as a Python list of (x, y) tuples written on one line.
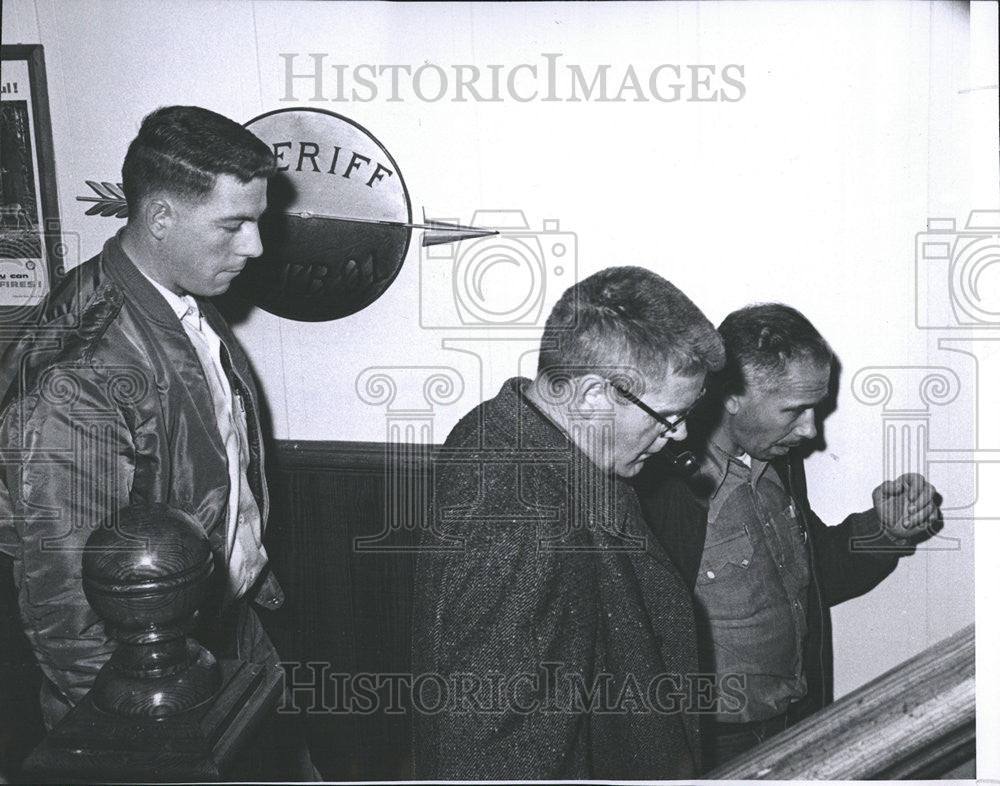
[(223, 283), (632, 469)]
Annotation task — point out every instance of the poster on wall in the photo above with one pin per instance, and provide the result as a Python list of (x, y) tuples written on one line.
[(30, 240)]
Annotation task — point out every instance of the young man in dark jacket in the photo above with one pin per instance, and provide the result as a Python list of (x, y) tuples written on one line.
[(131, 388)]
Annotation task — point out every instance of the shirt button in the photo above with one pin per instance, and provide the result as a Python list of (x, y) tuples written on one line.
[(710, 574)]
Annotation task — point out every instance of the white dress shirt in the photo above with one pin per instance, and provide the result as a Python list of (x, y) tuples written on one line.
[(245, 554)]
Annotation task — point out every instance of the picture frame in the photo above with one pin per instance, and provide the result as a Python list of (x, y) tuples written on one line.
[(32, 249)]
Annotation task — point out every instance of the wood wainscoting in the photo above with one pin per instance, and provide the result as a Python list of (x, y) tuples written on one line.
[(344, 524)]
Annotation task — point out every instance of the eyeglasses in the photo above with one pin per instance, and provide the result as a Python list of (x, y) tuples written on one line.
[(685, 460), (671, 423)]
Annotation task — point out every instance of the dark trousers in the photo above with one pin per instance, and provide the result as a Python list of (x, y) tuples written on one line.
[(725, 741), (279, 751)]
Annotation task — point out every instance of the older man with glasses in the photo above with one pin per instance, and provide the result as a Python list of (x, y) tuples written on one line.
[(558, 634)]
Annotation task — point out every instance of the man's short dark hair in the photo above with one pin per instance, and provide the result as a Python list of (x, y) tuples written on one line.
[(628, 319), (183, 149), (761, 340)]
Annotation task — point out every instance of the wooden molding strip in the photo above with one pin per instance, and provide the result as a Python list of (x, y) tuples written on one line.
[(338, 455), (917, 711)]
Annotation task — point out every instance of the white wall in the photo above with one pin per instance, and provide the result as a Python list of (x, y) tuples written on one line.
[(856, 122)]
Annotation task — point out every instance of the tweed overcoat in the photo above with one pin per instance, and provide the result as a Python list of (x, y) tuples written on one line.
[(554, 635)]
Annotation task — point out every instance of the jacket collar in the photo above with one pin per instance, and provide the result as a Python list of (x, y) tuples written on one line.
[(137, 286)]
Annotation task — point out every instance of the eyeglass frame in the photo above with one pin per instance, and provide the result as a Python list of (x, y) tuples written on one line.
[(671, 424)]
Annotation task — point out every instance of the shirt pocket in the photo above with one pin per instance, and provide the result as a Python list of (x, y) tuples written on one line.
[(727, 583)]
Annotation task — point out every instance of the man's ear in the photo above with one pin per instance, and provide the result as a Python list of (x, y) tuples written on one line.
[(591, 394), (732, 403), (158, 216)]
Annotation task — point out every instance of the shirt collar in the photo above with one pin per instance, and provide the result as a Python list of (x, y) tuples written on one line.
[(720, 462), (182, 305)]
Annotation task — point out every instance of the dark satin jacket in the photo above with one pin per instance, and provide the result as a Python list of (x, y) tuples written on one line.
[(105, 404)]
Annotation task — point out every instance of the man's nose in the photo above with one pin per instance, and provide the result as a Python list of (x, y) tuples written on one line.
[(807, 425), (250, 244)]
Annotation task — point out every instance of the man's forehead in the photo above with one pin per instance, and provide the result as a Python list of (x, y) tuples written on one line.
[(666, 389), (227, 185), (806, 378)]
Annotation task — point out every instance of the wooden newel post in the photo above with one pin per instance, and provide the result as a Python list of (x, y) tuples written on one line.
[(147, 579), (162, 707)]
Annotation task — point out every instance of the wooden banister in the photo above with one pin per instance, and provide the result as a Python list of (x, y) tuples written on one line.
[(920, 711)]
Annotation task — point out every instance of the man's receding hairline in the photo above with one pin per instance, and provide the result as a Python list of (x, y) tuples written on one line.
[(772, 377)]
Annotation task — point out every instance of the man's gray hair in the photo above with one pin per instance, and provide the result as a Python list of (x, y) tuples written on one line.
[(630, 319)]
